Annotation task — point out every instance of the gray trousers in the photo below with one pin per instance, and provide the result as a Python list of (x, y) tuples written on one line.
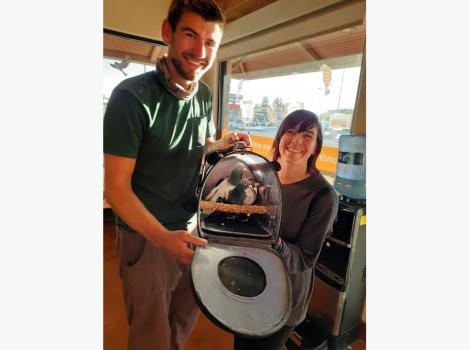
[(161, 310)]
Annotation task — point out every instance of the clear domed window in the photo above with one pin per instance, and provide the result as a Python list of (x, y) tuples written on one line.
[(241, 196)]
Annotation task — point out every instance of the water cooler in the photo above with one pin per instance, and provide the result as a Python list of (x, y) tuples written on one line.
[(340, 276), (340, 273)]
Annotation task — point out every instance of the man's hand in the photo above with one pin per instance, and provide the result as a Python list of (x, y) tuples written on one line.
[(118, 189), (227, 141), (177, 244)]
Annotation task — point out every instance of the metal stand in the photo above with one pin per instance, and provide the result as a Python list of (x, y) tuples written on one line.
[(339, 290)]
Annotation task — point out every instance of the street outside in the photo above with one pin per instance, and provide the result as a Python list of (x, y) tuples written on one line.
[(330, 137)]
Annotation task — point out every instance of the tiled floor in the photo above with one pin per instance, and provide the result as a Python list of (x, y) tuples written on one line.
[(205, 336)]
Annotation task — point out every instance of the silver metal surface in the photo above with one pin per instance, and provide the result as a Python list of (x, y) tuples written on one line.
[(260, 315), (329, 302)]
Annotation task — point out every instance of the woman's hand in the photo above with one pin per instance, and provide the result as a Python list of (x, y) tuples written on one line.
[(278, 246)]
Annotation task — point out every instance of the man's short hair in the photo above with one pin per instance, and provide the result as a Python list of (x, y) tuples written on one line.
[(207, 9)]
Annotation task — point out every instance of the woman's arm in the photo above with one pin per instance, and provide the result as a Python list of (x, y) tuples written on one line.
[(302, 254)]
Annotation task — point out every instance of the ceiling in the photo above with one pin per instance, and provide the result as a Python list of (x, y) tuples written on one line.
[(234, 9), (136, 50), (147, 52), (345, 42)]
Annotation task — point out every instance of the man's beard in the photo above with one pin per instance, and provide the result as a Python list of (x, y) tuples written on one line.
[(190, 76)]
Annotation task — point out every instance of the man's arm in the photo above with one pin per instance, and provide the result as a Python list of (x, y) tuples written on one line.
[(118, 192)]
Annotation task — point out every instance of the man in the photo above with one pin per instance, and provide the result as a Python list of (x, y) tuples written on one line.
[(156, 128)]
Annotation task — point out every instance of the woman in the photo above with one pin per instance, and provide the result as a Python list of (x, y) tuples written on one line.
[(296, 147)]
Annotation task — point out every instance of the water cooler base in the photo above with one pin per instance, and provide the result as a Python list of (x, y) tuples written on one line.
[(309, 335), (341, 341), (300, 345)]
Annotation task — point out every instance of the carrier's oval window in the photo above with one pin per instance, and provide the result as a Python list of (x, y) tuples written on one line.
[(242, 276)]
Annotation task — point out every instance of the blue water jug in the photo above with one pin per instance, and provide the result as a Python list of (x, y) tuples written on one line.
[(350, 178)]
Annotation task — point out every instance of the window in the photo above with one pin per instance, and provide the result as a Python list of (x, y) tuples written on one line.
[(320, 74), (115, 71)]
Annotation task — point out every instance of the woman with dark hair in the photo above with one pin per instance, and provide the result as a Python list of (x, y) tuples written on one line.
[(309, 206)]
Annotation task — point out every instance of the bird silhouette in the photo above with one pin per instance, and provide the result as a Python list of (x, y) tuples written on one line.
[(220, 192), (243, 194), (121, 65)]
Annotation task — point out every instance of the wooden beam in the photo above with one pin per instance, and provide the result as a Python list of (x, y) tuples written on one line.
[(234, 9), (155, 53), (310, 51), (358, 126), (242, 68), (248, 35), (236, 63), (123, 55)]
